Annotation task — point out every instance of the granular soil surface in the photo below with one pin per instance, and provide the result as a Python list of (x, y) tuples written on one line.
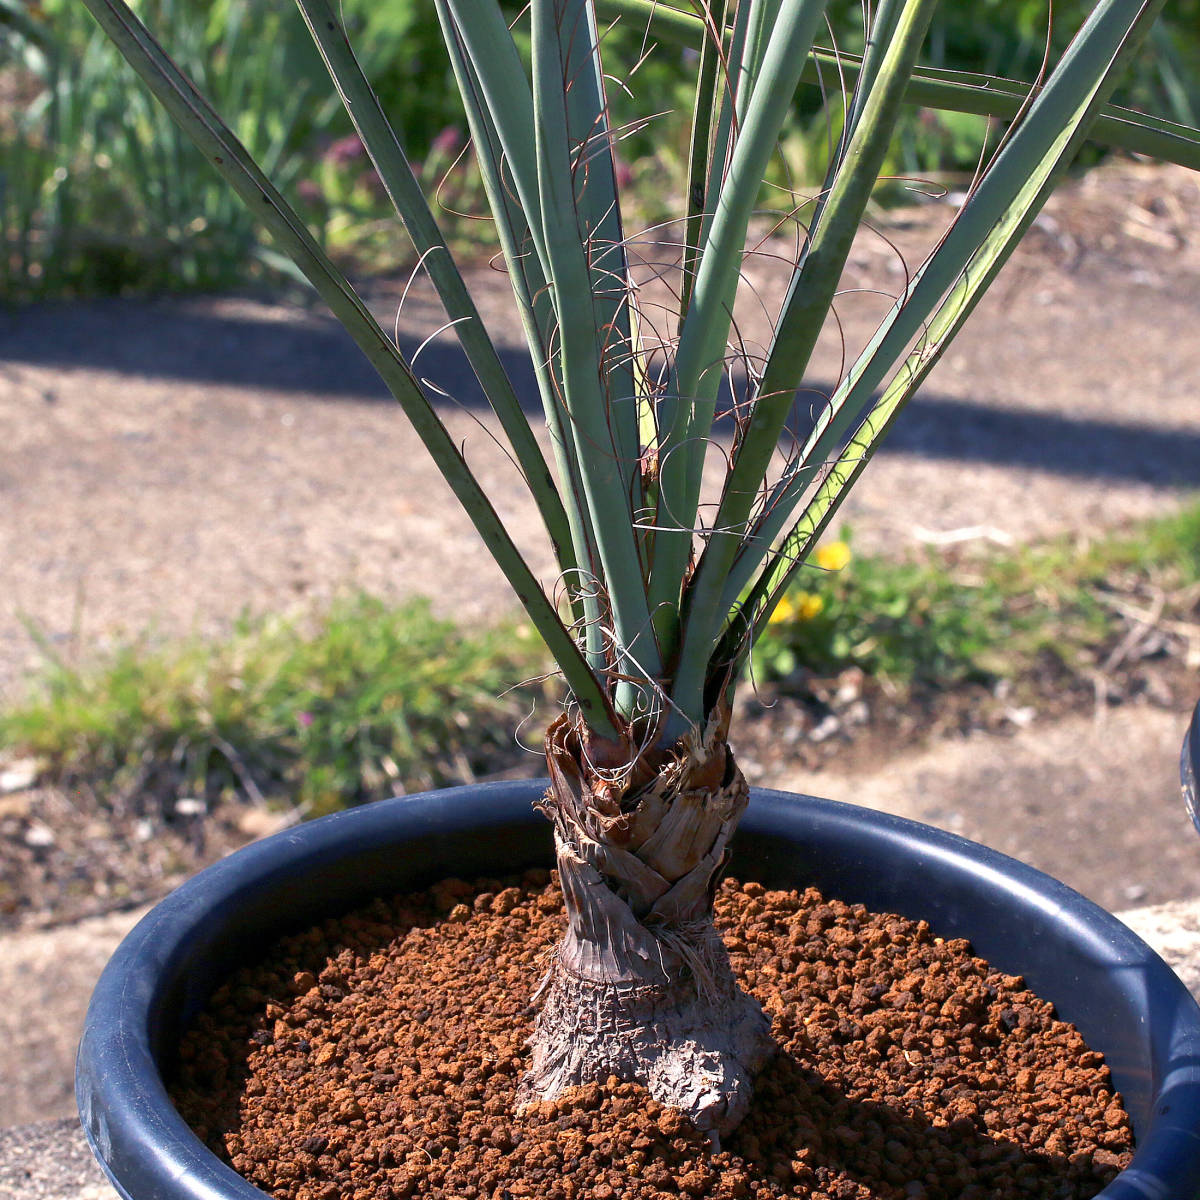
[(377, 1056)]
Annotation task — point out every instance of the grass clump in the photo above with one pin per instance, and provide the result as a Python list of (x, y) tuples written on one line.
[(376, 700), (380, 698), (948, 618)]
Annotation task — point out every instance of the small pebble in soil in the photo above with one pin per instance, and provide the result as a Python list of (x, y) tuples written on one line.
[(376, 1057)]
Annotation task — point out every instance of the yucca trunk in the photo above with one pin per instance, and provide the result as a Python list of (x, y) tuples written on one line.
[(640, 986)]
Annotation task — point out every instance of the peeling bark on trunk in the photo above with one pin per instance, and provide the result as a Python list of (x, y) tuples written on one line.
[(640, 986)]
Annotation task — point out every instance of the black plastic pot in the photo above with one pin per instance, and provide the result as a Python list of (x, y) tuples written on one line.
[(1125, 1000)]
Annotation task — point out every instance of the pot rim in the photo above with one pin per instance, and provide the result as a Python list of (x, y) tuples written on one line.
[(157, 973)]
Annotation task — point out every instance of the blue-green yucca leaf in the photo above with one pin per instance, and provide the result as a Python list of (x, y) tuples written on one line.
[(654, 624), (203, 125), (537, 318), (531, 122), (700, 148), (943, 89), (991, 224), (402, 186), (893, 53), (598, 208), (580, 353), (1034, 151), (690, 405), (761, 17), (734, 49)]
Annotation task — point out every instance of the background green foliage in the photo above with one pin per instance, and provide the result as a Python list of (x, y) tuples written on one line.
[(99, 192), (1008, 38), (945, 619), (376, 700), (899, 621)]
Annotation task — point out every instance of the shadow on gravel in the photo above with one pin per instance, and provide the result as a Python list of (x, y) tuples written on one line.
[(315, 355), (937, 427), (177, 341)]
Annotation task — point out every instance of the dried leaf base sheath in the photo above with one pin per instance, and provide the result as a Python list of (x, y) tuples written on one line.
[(640, 986)]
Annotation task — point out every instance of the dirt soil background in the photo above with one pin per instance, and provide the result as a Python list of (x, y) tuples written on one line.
[(167, 464)]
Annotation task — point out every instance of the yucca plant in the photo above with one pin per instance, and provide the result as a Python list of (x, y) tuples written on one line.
[(664, 595)]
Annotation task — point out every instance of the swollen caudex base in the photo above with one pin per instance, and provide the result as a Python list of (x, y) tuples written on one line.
[(693, 1048), (640, 987)]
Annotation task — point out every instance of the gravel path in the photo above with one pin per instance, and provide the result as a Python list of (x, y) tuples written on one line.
[(166, 464), (53, 973)]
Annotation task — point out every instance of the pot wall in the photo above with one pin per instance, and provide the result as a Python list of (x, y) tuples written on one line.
[(1123, 998)]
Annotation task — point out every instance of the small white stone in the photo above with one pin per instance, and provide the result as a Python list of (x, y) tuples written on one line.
[(39, 835), (262, 822), (1021, 717), (825, 729), (18, 775)]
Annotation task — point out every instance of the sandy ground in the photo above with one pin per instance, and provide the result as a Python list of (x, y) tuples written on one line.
[(1092, 800)]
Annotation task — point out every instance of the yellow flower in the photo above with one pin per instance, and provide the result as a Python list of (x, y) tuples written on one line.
[(785, 610), (803, 606), (809, 606), (833, 557)]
